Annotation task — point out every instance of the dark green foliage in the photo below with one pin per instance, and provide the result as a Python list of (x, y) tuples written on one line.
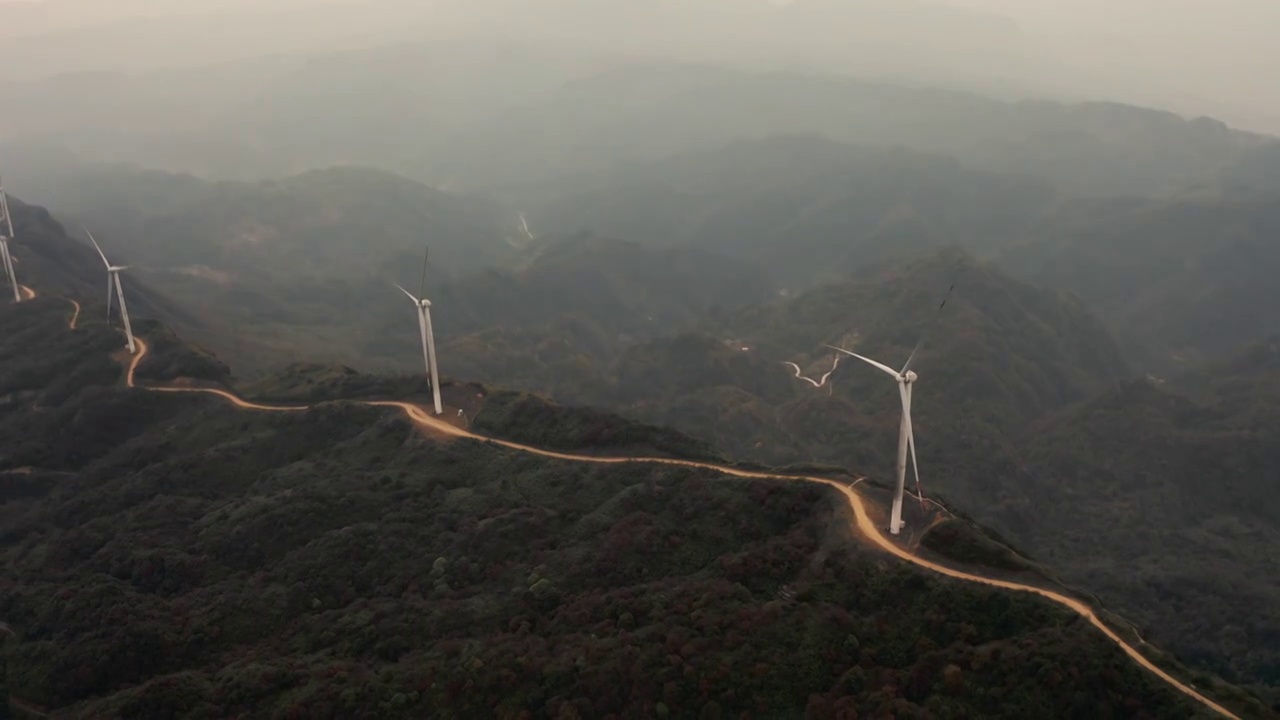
[(205, 562), (959, 541), (168, 358), (354, 218), (1162, 480), (535, 421), (1180, 280), (302, 383), (805, 207), (69, 363)]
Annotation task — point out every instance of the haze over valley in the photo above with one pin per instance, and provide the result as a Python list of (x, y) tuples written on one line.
[(636, 456)]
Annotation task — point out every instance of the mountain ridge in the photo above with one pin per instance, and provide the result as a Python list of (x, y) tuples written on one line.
[(863, 521)]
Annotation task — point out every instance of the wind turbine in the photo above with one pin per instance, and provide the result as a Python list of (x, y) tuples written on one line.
[(906, 378), (428, 338), (113, 277), (6, 234)]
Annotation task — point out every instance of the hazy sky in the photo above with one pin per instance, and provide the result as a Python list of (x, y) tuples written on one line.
[(1193, 56), (1223, 52)]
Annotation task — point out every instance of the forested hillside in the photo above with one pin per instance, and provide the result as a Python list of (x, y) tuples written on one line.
[(1181, 280), (187, 559), (1002, 362), (45, 250), (811, 209), (322, 223), (648, 223), (1178, 279), (1162, 496)]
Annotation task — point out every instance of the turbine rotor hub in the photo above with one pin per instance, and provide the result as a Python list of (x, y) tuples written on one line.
[(911, 376)]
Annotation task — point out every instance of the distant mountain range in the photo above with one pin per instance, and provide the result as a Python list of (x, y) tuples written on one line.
[(510, 118)]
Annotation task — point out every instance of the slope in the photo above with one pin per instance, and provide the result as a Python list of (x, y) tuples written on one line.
[(1005, 354), (809, 208), (1180, 280), (64, 265), (177, 589), (355, 218), (1174, 482), (1004, 360), (335, 563), (1177, 280)]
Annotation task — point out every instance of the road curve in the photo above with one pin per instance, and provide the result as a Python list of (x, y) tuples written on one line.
[(75, 316), (861, 522)]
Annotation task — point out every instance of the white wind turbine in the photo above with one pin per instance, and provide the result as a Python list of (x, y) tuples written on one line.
[(113, 277), (906, 377), (428, 337), (6, 234)]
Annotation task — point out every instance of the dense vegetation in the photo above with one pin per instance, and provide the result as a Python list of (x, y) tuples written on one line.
[(570, 321), (691, 227), (1181, 281), (190, 560), (1003, 361), (1174, 483), (358, 219), (534, 421)]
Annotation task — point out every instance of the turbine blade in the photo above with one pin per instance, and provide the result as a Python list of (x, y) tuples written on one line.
[(422, 286), (124, 314), (937, 316), (911, 444), (867, 360), (407, 293), (98, 248)]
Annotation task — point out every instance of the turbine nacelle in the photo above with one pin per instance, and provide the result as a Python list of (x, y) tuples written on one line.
[(910, 377), (420, 302), (117, 268)]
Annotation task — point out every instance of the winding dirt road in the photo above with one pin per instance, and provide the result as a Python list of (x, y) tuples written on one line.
[(75, 316), (861, 522)]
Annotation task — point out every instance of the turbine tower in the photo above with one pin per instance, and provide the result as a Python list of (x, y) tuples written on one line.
[(113, 277), (428, 337), (906, 378), (6, 234)]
